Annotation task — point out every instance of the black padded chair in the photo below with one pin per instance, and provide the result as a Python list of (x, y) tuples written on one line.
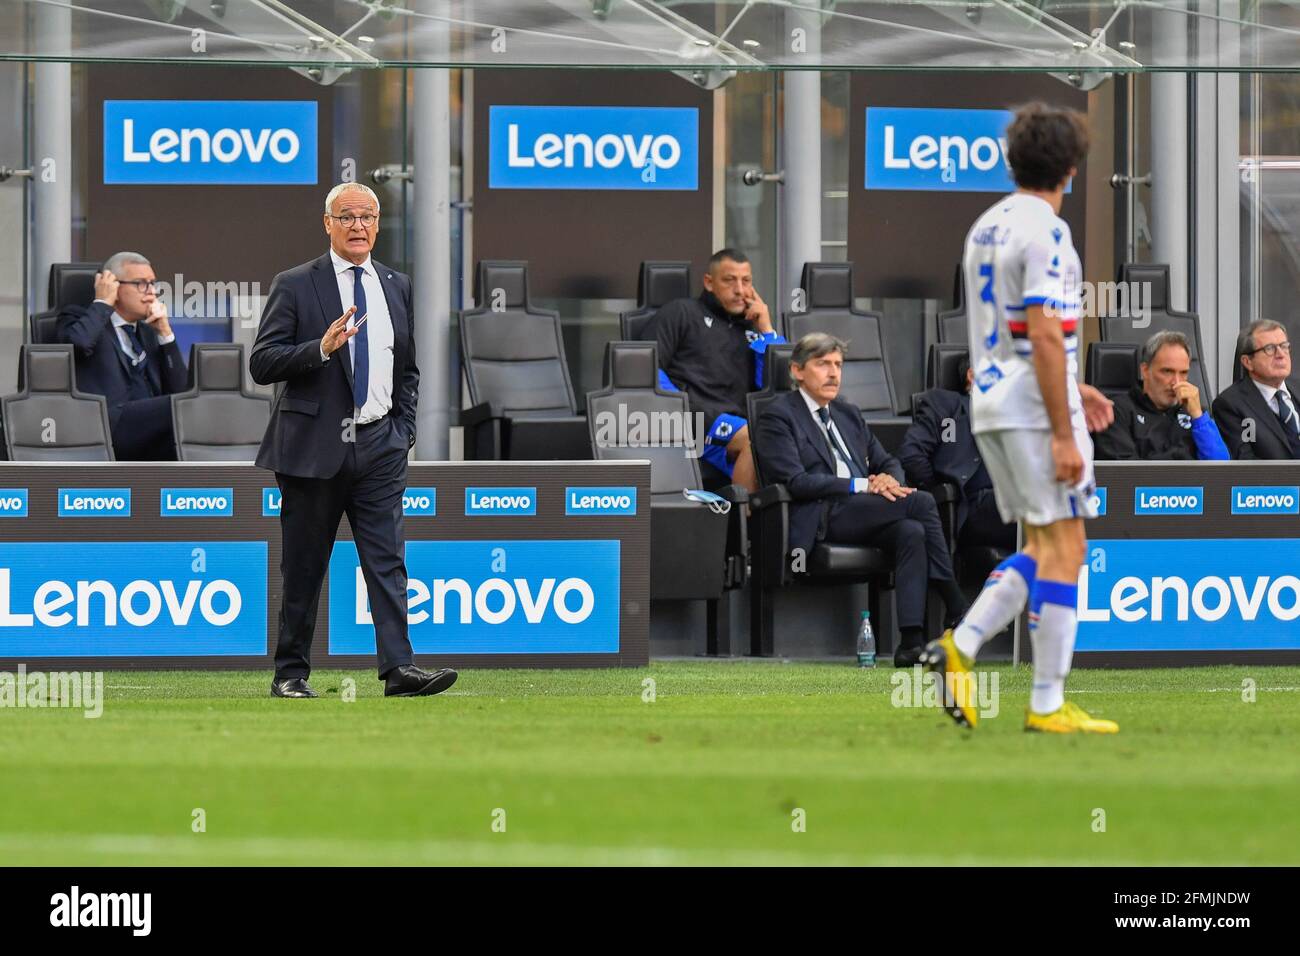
[(48, 419), (951, 324), (943, 367), (771, 561), (512, 354), (1121, 328), (657, 284), (71, 283), (695, 553), (216, 420), (1112, 367), (866, 380)]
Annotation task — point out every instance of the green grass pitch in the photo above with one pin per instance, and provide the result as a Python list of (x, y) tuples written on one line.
[(574, 767)]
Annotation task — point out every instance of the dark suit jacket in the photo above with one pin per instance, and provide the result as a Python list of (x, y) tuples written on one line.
[(304, 437), (793, 451), (928, 459), (102, 367), (1241, 401)]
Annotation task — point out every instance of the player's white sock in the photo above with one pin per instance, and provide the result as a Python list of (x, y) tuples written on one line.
[(1053, 621), (1004, 596)]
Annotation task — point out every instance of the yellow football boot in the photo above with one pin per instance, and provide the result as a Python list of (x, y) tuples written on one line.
[(1070, 719), (957, 683)]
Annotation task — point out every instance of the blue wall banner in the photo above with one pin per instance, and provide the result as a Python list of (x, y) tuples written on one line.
[(197, 502), (600, 501), (13, 502), (210, 142), (489, 597), (500, 501), (94, 502), (132, 598), (946, 150), (593, 147)]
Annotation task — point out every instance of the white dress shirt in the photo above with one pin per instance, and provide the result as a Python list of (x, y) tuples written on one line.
[(124, 340), (1273, 400), (841, 467), (379, 335)]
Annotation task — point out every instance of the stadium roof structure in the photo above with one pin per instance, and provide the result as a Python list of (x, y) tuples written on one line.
[(708, 38)]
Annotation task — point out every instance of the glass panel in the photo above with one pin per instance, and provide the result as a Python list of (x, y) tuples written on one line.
[(1270, 192), (13, 220), (685, 35), (752, 106)]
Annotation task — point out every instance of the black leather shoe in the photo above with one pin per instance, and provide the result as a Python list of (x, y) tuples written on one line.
[(410, 681), (909, 656), (292, 687)]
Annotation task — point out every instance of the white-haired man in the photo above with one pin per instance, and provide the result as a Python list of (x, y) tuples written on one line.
[(338, 334)]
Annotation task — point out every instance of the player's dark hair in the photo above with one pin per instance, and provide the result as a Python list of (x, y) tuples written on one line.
[(735, 255), (963, 366), (1044, 143)]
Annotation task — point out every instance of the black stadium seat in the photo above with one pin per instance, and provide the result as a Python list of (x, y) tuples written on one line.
[(941, 371), (48, 419), (952, 323), (695, 553), (71, 283), (512, 354), (866, 380), (1112, 367), (1154, 279), (771, 564), (216, 420), (657, 284)]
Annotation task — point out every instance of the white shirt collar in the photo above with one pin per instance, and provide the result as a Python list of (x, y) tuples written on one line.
[(810, 402), (1268, 391), (119, 322), (342, 265)]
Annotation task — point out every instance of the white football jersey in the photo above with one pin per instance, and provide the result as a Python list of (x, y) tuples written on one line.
[(1018, 254)]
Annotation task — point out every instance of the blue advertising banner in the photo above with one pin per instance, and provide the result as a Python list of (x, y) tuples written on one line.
[(947, 150), (132, 598), (489, 597), (593, 147), (210, 142), (1190, 594)]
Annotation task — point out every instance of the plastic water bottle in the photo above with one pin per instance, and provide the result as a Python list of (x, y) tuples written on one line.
[(866, 642)]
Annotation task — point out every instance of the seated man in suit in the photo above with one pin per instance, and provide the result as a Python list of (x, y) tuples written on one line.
[(712, 349), (939, 446), (849, 490), (1162, 419), (1257, 416), (125, 350)]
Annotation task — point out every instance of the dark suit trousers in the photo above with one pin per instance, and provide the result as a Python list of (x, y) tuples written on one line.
[(368, 489), (984, 525), (143, 430), (911, 529)]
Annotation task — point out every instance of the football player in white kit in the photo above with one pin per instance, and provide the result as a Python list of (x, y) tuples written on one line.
[(1030, 418)]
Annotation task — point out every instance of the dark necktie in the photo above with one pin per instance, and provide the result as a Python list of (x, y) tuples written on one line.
[(1286, 412), (836, 447), (137, 344), (360, 343)]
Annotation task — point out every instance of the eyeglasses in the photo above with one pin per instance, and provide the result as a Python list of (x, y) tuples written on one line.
[(1272, 349), (347, 219), (141, 285)]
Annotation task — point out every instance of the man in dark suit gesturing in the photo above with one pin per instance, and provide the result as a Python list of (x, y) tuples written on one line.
[(1257, 416), (338, 333), (849, 490), (125, 350)]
